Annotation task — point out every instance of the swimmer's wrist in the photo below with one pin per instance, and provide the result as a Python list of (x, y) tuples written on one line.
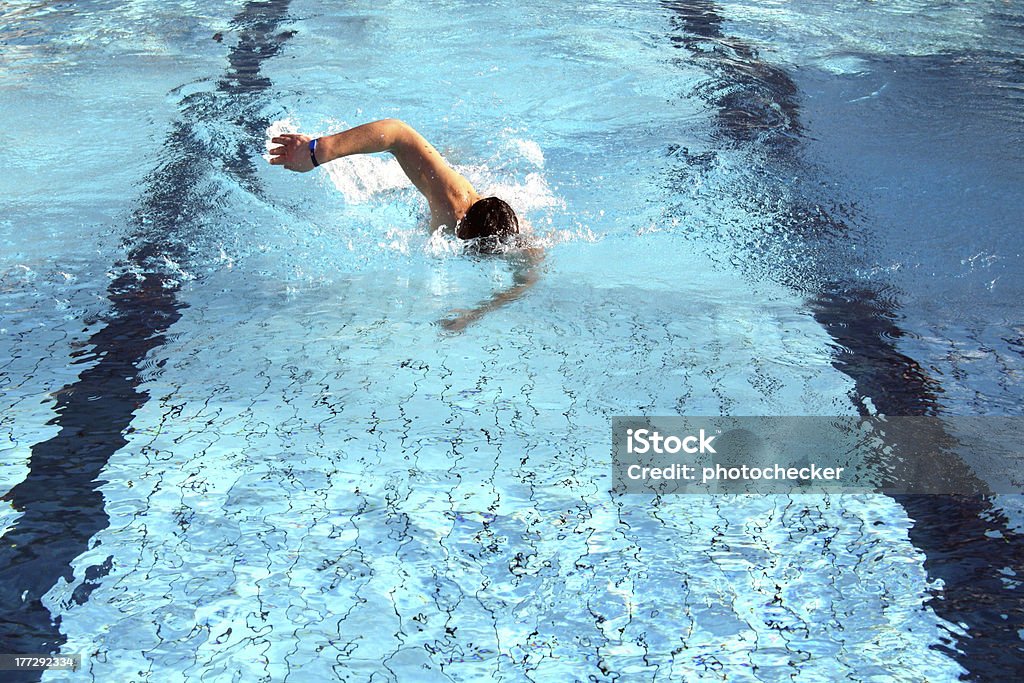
[(312, 152)]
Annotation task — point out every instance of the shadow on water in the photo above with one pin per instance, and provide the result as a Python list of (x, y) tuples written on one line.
[(59, 501), (968, 543)]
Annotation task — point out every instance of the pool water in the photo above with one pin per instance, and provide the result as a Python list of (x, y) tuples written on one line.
[(238, 445)]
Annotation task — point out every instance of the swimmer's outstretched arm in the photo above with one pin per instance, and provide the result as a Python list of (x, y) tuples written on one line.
[(525, 273), (425, 167)]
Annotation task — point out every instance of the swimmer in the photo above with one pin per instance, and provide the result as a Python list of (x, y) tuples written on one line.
[(452, 200)]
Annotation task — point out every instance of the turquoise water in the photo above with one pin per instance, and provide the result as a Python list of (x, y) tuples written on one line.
[(303, 477)]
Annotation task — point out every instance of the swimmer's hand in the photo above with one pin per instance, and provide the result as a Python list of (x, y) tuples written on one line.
[(293, 152), (459, 323)]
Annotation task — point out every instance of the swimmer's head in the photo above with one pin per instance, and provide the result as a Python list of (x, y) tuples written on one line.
[(491, 222)]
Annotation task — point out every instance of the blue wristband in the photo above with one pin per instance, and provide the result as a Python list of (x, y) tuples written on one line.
[(312, 152)]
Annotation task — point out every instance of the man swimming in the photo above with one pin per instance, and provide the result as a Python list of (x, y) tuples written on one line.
[(452, 200)]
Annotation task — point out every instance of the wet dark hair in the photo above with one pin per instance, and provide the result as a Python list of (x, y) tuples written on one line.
[(491, 222)]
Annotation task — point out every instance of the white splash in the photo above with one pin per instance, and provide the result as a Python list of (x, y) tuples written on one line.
[(359, 178), (529, 150)]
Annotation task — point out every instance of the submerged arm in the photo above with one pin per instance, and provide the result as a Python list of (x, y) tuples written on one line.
[(525, 267)]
